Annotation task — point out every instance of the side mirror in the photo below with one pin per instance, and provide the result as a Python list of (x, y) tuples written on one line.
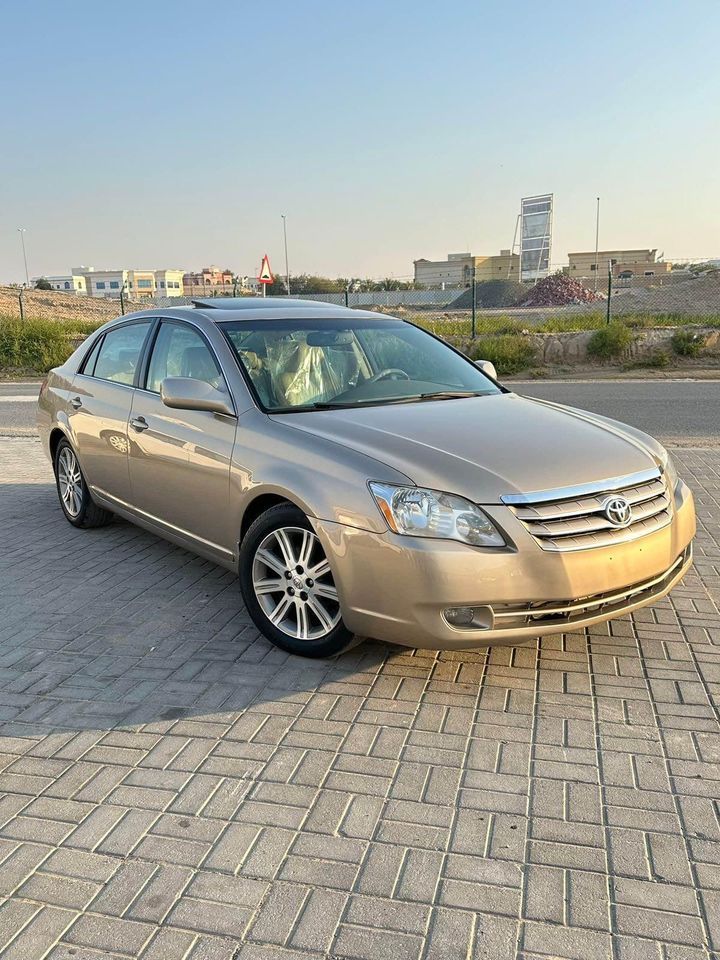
[(487, 367), (184, 393)]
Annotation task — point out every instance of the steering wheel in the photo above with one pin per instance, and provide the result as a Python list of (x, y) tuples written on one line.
[(394, 372)]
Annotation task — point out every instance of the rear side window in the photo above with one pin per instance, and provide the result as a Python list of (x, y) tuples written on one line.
[(89, 363), (119, 353), (180, 351)]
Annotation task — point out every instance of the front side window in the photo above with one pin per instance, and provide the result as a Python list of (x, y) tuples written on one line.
[(306, 364), (119, 353), (180, 351)]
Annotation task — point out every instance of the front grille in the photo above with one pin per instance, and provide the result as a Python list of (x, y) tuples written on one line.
[(574, 519), (515, 616)]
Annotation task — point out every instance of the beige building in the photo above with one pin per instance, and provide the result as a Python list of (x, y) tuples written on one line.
[(208, 282), (457, 270), (136, 284), (625, 263), (66, 283)]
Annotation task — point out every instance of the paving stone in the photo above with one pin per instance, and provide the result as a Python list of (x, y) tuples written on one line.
[(205, 916), (126, 937), (40, 934), (174, 788)]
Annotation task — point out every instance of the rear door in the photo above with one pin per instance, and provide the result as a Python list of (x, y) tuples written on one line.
[(99, 407), (180, 459)]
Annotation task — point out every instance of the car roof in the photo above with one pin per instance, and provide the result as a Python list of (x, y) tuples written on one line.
[(227, 309)]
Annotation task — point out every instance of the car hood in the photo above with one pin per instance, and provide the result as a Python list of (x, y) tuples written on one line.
[(485, 447)]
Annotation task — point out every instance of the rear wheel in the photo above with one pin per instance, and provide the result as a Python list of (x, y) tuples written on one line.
[(288, 586), (75, 500)]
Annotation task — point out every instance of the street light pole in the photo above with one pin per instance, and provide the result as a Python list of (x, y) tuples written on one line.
[(21, 231), (597, 241), (287, 268)]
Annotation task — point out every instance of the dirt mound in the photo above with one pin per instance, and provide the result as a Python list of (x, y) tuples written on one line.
[(696, 296), (559, 290), (52, 305)]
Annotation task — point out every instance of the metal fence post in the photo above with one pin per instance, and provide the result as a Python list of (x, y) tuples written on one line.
[(347, 296), (122, 300), (609, 294), (474, 305), (22, 308)]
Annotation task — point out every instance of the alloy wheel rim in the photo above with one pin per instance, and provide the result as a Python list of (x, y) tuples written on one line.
[(70, 481), (293, 584)]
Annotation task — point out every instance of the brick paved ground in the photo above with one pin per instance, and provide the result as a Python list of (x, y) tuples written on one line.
[(173, 787)]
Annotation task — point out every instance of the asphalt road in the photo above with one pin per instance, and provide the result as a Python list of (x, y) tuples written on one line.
[(674, 410), (17, 407)]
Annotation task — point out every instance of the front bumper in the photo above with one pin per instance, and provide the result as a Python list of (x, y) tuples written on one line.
[(396, 588)]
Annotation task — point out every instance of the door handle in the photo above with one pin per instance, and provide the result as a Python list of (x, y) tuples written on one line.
[(76, 403), (139, 424)]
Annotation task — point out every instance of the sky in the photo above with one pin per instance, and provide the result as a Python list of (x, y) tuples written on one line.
[(167, 133)]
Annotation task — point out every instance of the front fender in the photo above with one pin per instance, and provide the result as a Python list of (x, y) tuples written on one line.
[(325, 479)]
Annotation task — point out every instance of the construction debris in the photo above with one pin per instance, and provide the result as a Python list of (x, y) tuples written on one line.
[(559, 290)]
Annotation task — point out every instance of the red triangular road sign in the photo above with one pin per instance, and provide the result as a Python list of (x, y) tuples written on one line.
[(265, 271)]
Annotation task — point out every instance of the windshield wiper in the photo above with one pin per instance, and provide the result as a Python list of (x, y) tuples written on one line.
[(411, 398), (451, 395), (340, 404)]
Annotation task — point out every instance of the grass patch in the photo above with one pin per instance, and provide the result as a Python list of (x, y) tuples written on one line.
[(509, 353), (658, 360), (451, 324), (609, 342), (38, 345)]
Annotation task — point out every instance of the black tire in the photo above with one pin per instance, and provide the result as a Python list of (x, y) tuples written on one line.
[(79, 508), (293, 526)]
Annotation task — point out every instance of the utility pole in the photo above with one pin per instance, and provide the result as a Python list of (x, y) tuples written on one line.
[(287, 268), (21, 231), (597, 242)]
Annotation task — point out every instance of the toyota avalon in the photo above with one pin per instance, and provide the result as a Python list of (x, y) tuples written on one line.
[(362, 477)]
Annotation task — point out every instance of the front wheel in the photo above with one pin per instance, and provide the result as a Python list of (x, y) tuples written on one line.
[(288, 587)]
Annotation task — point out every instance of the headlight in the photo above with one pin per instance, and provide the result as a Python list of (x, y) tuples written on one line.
[(670, 472), (417, 512)]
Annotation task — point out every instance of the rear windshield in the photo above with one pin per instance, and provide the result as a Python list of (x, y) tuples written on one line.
[(312, 364)]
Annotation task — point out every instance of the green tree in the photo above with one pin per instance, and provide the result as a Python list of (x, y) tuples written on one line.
[(43, 284)]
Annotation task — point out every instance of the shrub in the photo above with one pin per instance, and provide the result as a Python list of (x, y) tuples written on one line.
[(659, 358), (38, 345), (609, 342), (686, 343), (509, 353)]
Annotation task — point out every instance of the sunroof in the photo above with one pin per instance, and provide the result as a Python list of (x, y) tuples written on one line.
[(260, 303)]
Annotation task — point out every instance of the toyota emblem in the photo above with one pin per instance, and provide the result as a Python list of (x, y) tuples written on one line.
[(618, 511)]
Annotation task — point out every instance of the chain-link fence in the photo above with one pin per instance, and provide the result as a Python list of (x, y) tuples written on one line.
[(558, 303), (516, 325)]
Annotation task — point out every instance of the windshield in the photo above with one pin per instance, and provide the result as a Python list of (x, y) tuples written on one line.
[(315, 364)]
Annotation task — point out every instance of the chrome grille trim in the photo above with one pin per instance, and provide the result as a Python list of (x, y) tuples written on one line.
[(597, 486), (567, 520), (509, 616)]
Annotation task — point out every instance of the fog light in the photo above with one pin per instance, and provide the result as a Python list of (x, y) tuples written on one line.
[(460, 616)]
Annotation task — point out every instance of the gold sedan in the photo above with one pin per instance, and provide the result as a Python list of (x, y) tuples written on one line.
[(362, 477)]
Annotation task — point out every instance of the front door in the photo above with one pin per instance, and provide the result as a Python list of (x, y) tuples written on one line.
[(180, 459), (99, 407)]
